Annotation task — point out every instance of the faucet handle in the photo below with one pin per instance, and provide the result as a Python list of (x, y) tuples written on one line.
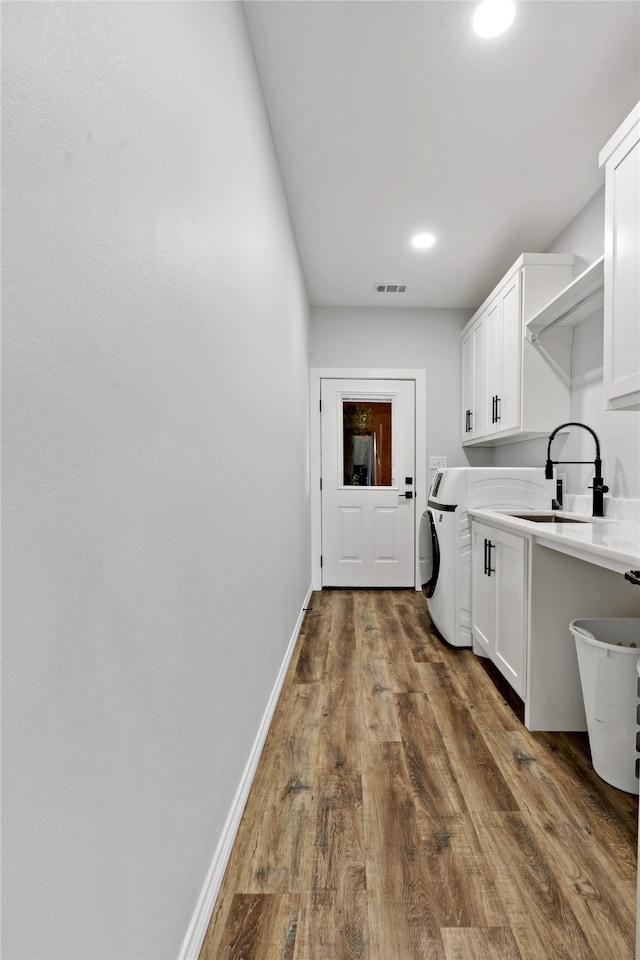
[(602, 487)]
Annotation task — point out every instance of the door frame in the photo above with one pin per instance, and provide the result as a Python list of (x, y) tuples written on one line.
[(316, 374)]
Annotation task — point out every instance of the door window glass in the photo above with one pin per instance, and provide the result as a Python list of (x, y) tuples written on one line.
[(367, 442)]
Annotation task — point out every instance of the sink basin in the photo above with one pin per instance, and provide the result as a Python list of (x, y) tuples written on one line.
[(545, 518)]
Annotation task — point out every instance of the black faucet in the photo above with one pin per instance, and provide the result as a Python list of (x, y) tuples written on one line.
[(599, 488)]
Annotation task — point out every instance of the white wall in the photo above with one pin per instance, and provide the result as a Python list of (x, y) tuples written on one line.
[(156, 521), (617, 430), (396, 337)]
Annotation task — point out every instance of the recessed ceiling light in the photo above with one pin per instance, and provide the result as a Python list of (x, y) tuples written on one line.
[(423, 240), (493, 17)]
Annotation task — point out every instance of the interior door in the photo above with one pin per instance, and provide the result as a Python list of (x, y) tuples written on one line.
[(368, 491)]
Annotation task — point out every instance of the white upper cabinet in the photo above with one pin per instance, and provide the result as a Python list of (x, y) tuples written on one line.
[(474, 369), (507, 382), (621, 356), (514, 389)]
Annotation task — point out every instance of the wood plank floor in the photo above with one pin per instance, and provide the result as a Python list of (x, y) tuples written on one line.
[(401, 811)]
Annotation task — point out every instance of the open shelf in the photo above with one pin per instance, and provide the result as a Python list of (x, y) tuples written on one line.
[(582, 297)]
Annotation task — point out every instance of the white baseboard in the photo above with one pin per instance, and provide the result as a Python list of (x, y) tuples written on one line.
[(197, 930)]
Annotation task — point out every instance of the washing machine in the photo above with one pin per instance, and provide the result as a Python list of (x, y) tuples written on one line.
[(445, 535)]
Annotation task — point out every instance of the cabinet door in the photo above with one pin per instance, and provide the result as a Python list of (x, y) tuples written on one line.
[(467, 386), (511, 609), (483, 602), (508, 405), (474, 381), (479, 421), (621, 355), (493, 343)]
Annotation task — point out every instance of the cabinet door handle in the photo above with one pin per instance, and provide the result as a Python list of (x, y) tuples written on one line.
[(470, 415), (490, 547), (498, 400), (486, 545), (493, 409)]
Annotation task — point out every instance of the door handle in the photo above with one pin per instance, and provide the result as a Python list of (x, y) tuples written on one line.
[(408, 495)]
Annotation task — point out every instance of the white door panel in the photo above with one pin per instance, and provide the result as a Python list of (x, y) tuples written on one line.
[(350, 543), (368, 465), (385, 521)]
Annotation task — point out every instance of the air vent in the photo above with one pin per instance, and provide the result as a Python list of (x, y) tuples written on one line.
[(390, 287)]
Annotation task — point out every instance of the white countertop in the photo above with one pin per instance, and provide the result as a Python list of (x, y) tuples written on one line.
[(610, 543)]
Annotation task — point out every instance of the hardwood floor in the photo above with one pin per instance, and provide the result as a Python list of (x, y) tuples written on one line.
[(401, 810)]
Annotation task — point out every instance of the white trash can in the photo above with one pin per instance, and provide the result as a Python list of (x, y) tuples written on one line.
[(608, 654)]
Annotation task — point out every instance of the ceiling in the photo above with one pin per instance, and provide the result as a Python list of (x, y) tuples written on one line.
[(393, 117)]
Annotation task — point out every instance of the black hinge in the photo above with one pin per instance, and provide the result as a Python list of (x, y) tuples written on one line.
[(321, 560), (320, 404), (321, 483)]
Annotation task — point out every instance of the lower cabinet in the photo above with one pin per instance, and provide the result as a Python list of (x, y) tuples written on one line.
[(524, 596), (499, 601)]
